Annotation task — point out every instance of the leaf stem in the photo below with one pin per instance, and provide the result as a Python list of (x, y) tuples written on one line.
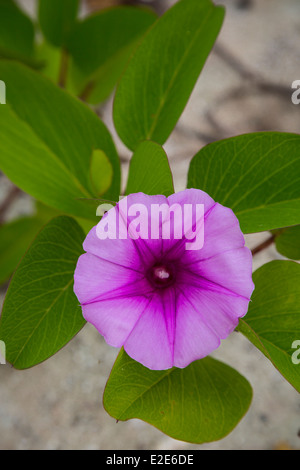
[(263, 245), (85, 94)]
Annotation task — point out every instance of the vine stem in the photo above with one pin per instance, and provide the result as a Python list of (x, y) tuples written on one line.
[(263, 245), (84, 95)]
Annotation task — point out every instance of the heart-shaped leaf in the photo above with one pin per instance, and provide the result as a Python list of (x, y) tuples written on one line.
[(150, 171), (256, 175), (161, 75), (272, 323), (16, 32), (46, 141), (57, 19), (288, 242), (201, 403), (15, 238), (41, 312), (101, 46)]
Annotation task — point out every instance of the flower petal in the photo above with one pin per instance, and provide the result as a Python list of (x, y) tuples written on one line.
[(149, 341), (220, 310), (149, 248), (115, 320), (95, 277), (194, 338), (231, 270), (221, 233), (118, 251), (191, 197)]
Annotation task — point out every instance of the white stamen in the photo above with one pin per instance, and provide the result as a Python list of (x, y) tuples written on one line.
[(161, 273)]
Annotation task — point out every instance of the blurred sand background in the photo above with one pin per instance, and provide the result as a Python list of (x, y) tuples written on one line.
[(245, 87)]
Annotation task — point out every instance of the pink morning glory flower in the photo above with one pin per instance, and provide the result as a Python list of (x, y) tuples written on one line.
[(166, 285)]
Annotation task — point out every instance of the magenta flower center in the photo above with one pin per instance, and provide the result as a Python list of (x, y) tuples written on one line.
[(161, 275)]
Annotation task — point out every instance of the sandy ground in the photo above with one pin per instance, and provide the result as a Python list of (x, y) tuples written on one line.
[(58, 404)]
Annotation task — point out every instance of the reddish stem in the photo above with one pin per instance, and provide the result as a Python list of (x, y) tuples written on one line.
[(263, 245)]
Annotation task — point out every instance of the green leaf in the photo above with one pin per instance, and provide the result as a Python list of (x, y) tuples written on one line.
[(272, 323), (160, 77), (201, 403), (46, 141), (256, 175), (50, 57), (150, 171), (46, 213), (57, 19), (101, 45), (41, 312), (15, 238), (101, 172), (288, 242), (16, 32)]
